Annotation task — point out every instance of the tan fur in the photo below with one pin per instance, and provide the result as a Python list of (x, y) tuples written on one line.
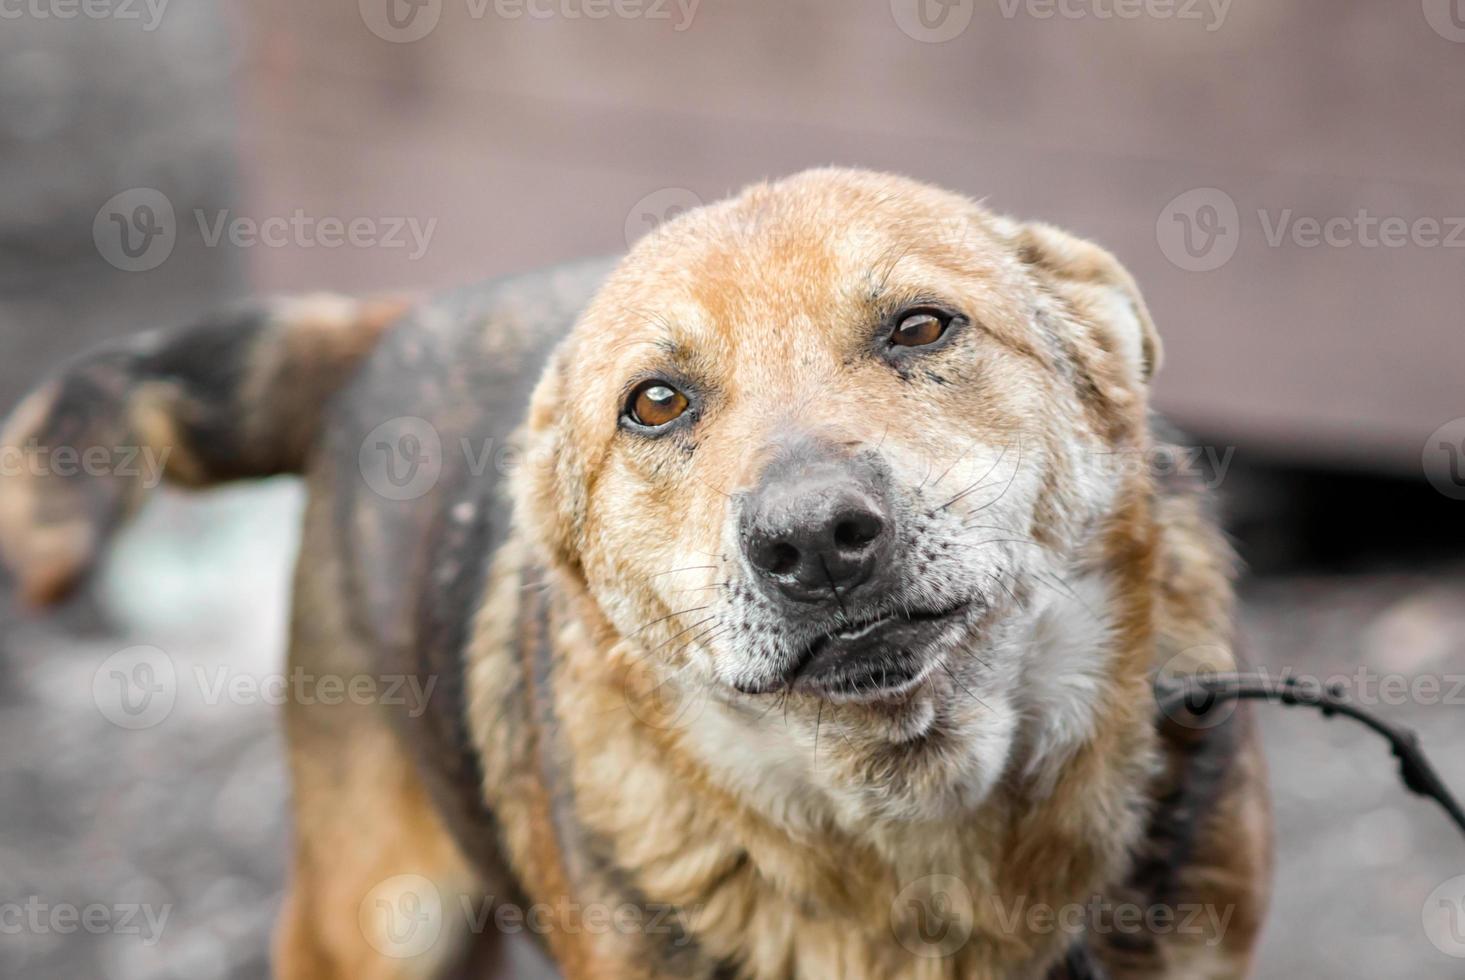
[(363, 817), (809, 894), (621, 763)]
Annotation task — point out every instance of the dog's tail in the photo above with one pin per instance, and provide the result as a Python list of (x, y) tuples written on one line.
[(235, 397)]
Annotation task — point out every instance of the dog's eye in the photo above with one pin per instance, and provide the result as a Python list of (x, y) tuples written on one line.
[(656, 403), (919, 328)]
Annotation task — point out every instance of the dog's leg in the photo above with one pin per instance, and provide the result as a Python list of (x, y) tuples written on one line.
[(378, 889), (376, 886)]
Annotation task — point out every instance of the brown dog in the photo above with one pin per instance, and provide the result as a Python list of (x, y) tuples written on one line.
[(811, 635)]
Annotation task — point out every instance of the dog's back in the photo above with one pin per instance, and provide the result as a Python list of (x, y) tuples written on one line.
[(400, 418)]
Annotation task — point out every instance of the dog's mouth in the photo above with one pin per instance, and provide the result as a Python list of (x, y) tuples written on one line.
[(882, 657)]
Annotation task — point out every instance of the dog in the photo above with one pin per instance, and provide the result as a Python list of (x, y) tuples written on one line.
[(784, 600)]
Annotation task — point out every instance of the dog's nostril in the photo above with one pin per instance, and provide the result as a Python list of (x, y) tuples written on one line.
[(782, 559), (857, 532)]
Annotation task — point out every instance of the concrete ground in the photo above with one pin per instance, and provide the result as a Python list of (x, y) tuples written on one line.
[(188, 815)]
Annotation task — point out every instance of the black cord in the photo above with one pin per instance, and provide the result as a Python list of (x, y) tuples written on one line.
[(1201, 693)]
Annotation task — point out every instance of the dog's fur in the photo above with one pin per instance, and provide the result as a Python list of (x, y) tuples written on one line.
[(606, 732)]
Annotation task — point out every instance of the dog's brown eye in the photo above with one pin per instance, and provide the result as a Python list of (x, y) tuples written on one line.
[(919, 329), (657, 403)]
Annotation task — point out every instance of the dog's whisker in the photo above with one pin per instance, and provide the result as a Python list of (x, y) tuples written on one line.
[(839, 727), (680, 632), (959, 457), (922, 485), (1005, 489), (714, 489), (989, 527), (672, 615), (689, 568), (702, 588), (818, 721), (952, 674), (976, 486), (767, 711), (833, 589), (1003, 585), (702, 637), (1056, 583), (979, 544)]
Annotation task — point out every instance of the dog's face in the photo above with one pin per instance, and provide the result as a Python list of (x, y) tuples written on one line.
[(824, 439)]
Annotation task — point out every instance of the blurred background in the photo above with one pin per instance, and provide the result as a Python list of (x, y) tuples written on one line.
[(1285, 179)]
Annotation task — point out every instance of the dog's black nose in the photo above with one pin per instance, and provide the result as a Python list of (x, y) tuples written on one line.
[(817, 527)]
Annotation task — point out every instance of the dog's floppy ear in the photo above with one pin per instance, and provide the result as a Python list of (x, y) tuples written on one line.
[(549, 488), (1102, 291)]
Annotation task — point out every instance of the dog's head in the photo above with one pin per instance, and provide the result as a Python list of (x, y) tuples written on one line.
[(825, 438)]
